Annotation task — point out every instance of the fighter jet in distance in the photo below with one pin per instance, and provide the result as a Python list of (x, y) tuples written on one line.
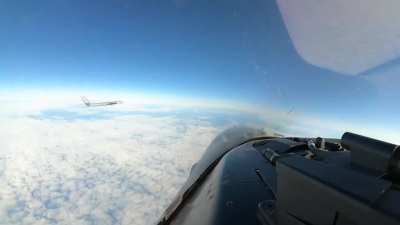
[(91, 104)]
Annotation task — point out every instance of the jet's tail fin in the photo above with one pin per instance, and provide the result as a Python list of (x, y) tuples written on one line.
[(85, 101)]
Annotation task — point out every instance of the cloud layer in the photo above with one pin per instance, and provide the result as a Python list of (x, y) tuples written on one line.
[(119, 169)]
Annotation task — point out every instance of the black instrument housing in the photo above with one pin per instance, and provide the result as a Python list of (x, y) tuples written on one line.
[(247, 178)]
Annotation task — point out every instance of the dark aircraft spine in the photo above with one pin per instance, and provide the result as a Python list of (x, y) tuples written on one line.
[(247, 178)]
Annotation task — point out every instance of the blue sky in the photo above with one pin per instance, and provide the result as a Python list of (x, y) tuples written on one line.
[(224, 49)]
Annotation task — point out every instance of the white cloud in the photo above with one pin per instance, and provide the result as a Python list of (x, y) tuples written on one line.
[(120, 170)]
